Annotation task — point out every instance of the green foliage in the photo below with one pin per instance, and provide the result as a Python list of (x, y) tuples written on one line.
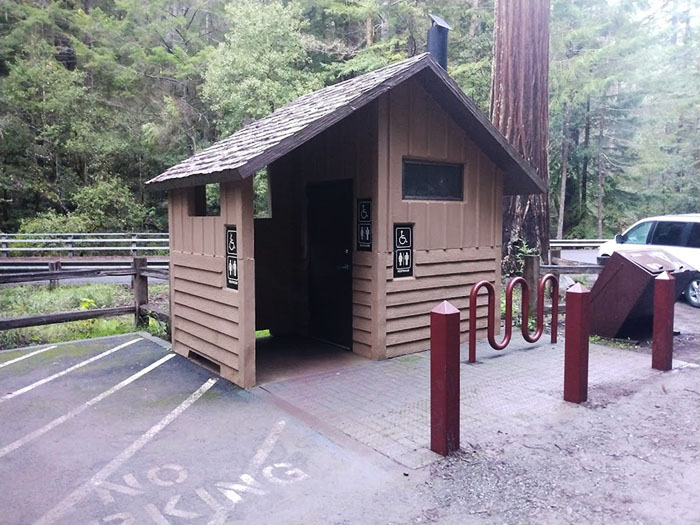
[(50, 221), (628, 72), (109, 205), (262, 64), (514, 260), (16, 301), (95, 93), (261, 188)]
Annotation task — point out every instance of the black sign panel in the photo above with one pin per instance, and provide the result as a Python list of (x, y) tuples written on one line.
[(403, 250), (364, 225), (231, 257)]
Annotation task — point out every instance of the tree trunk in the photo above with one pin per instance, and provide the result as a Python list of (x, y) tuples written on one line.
[(475, 25), (601, 178), (564, 167), (369, 31), (519, 109), (586, 157)]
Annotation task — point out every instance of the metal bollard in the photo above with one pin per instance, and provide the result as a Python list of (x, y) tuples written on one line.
[(578, 322), (444, 379), (662, 342)]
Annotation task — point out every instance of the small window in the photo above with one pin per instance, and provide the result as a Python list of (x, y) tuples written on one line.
[(262, 204), (638, 234), (206, 201), (669, 233), (694, 237), (433, 181)]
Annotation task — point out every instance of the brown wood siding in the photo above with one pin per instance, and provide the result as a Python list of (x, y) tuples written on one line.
[(347, 150), (206, 316), (456, 244)]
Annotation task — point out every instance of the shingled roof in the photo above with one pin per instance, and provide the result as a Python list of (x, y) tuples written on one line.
[(264, 141)]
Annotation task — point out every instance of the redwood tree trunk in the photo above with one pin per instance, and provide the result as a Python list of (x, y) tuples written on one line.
[(519, 109)]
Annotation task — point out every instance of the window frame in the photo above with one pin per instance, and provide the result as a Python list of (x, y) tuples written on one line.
[(414, 161)]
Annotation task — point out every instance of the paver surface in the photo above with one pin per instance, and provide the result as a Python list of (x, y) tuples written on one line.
[(385, 404), (120, 430)]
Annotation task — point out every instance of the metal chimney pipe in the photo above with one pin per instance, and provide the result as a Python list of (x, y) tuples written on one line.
[(437, 40)]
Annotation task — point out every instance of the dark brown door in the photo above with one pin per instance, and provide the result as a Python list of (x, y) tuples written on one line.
[(329, 217)]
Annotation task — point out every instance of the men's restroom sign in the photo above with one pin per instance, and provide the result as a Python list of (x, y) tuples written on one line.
[(403, 250), (231, 257), (364, 225)]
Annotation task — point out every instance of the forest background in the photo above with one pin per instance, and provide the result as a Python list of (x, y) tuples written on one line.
[(97, 96)]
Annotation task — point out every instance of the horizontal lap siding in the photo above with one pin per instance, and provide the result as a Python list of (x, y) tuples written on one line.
[(205, 315), (362, 304), (440, 275)]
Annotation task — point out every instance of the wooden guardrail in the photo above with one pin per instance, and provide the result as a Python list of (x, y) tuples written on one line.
[(533, 270), (141, 308), (73, 244)]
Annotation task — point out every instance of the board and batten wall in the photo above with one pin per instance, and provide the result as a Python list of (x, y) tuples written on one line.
[(207, 318), (456, 244)]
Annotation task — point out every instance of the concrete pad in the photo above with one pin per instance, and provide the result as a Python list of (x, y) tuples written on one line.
[(283, 358)]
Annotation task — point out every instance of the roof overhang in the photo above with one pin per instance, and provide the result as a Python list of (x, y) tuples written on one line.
[(519, 176)]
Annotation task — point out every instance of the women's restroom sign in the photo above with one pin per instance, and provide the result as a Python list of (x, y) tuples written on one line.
[(364, 225), (231, 257), (403, 250)]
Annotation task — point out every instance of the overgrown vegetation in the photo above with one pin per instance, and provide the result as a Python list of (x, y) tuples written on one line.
[(17, 301), (96, 97)]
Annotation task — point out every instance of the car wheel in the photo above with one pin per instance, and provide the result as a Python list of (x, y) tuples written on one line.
[(692, 293)]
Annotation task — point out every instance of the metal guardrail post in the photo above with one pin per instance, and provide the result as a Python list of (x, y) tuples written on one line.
[(577, 332), (140, 282), (662, 341), (54, 266), (444, 379), (5, 245), (70, 246), (133, 245)]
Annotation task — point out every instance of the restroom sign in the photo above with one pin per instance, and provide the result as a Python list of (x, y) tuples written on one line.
[(364, 225), (231, 257), (403, 250)]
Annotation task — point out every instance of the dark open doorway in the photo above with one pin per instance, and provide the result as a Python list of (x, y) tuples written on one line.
[(329, 220)]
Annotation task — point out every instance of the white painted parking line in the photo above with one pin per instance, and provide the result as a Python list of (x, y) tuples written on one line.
[(66, 371), (266, 447), (83, 490), (13, 361), (58, 421)]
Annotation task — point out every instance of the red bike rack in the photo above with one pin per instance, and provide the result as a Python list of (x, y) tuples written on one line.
[(525, 310)]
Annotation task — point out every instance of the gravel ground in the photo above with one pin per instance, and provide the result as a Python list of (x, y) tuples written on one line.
[(632, 456)]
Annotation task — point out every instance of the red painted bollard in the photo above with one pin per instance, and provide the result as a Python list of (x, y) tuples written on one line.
[(662, 342), (444, 379), (577, 331)]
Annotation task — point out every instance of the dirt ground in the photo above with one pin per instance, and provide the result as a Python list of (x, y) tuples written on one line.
[(630, 457)]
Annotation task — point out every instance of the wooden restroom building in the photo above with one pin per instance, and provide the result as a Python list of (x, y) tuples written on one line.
[(384, 197)]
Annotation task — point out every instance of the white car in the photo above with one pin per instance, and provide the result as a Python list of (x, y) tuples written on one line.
[(679, 235)]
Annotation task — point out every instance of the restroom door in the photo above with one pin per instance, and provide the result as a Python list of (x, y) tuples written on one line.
[(330, 235)]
